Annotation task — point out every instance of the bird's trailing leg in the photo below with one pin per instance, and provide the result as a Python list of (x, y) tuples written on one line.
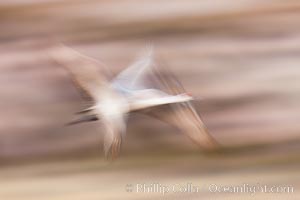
[(86, 118), (85, 110)]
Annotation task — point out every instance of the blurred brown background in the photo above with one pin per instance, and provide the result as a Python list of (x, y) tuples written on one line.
[(241, 57)]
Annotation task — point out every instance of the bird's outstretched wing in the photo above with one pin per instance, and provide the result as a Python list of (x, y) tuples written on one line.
[(140, 74), (85, 71), (87, 75), (147, 72), (184, 117)]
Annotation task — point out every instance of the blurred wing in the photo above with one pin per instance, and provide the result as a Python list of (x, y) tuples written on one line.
[(147, 73), (85, 71), (135, 77), (184, 117), (181, 115)]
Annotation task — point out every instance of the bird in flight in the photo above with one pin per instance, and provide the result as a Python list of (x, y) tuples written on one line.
[(144, 87)]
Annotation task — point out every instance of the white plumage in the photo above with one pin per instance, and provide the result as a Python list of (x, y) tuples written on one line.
[(138, 88)]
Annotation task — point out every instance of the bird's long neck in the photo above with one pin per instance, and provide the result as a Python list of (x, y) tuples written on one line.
[(157, 101)]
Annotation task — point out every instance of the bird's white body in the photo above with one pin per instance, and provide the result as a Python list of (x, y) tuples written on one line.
[(114, 105), (111, 104)]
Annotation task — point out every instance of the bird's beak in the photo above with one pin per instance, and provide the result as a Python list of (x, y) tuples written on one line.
[(193, 97)]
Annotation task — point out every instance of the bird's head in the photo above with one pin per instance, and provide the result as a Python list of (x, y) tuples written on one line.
[(188, 94), (191, 96)]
